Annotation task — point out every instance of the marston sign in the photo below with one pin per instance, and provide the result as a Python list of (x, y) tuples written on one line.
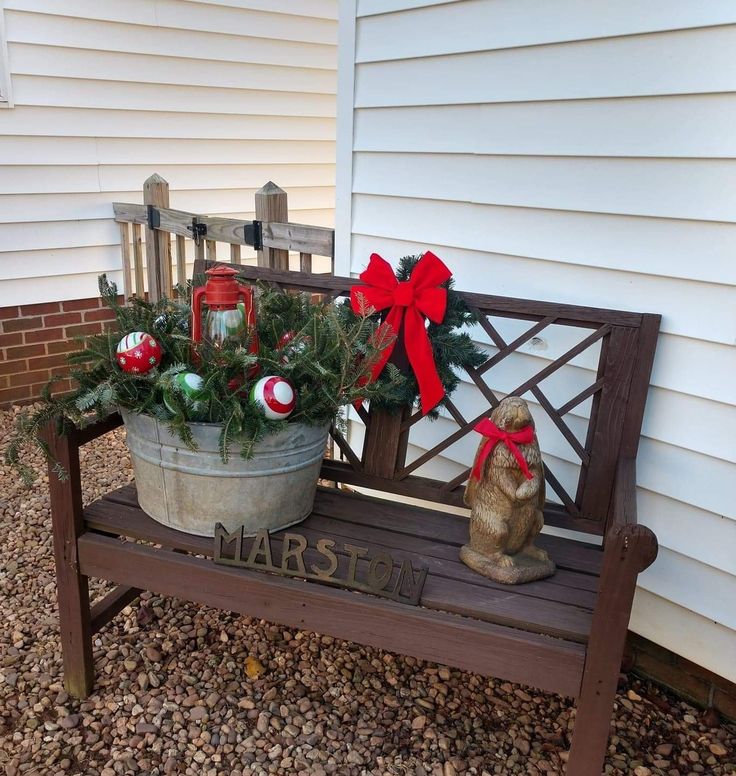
[(336, 563)]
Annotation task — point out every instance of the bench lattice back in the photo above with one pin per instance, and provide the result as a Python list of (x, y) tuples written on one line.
[(624, 343)]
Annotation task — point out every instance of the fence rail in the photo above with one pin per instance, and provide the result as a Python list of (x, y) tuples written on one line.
[(272, 237)]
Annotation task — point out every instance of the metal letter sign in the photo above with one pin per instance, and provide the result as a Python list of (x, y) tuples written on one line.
[(326, 560)]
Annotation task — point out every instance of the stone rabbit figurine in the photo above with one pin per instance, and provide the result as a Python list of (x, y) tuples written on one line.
[(506, 497)]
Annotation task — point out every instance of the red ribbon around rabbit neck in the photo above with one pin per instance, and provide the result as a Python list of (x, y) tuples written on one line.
[(410, 301), (494, 434)]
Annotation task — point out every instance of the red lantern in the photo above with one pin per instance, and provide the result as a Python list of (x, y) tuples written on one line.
[(230, 310)]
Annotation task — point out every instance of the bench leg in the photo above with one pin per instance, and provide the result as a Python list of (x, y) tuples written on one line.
[(72, 587), (627, 552), (592, 726)]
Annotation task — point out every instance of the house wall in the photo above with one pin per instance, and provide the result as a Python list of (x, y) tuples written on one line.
[(218, 96), (582, 152)]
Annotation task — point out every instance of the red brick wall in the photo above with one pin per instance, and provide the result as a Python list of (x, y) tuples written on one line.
[(34, 341)]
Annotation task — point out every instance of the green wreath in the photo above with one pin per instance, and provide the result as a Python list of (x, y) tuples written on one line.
[(452, 349)]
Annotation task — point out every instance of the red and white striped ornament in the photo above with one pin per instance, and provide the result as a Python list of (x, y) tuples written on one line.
[(138, 353), (276, 396)]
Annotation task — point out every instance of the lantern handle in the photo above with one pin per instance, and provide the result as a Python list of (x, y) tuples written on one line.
[(197, 313), (246, 294)]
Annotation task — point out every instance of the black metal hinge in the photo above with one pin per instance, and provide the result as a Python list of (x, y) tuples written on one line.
[(198, 230), (154, 217), (253, 235)]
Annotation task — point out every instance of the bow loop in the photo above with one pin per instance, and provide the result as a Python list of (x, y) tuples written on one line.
[(432, 303), (409, 301)]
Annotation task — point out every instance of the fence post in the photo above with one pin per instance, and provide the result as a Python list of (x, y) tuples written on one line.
[(272, 205), (158, 244)]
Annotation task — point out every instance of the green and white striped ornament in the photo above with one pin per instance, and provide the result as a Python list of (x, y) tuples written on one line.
[(191, 387)]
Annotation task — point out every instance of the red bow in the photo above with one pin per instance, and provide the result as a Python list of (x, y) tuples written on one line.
[(421, 295), (489, 429)]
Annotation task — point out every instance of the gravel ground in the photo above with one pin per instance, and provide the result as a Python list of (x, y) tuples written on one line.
[(184, 689)]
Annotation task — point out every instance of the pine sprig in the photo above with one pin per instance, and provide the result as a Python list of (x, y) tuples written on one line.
[(327, 360)]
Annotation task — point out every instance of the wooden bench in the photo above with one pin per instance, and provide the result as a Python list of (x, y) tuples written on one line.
[(564, 634)]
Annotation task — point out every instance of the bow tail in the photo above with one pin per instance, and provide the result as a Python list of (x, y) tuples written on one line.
[(390, 326), (421, 358)]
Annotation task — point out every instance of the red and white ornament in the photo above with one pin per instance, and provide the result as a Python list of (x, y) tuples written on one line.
[(138, 353), (289, 347), (276, 396)]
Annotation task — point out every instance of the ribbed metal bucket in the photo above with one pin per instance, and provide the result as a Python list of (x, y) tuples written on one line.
[(191, 491)]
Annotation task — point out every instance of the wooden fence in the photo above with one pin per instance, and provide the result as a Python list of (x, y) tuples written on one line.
[(270, 234)]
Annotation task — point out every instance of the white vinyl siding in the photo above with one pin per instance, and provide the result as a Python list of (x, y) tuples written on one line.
[(579, 152), (6, 97), (216, 96)]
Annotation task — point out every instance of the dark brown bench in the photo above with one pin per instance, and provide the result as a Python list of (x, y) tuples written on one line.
[(564, 634)]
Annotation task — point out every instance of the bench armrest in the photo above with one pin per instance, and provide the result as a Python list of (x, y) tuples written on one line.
[(624, 534), (82, 436)]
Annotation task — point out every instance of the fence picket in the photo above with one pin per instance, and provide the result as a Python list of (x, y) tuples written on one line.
[(140, 285), (125, 256)]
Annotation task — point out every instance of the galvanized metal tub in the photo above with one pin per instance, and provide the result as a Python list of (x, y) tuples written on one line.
[(192, 490)]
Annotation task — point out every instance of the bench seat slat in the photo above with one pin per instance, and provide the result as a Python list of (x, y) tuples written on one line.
[(442, 557), (453, 529), (575, 556), (443, 560), (450, 586)]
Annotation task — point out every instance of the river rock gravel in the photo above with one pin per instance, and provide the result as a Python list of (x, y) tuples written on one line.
[(172, 695)]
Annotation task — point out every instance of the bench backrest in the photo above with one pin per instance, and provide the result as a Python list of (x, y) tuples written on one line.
[(624, 343)]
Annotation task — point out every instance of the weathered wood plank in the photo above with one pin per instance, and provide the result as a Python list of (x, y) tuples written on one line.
[(551, 664), (646, 346), (158, 247), (443, 561), (432, 490), (126, 212), (428, 523), (385, 443), (566, 587), (235, 256), (272, 205), (84, 435), (71, 584), (526, 309), (596, 482), (442, 593), (629, 550), (111, 604), (140, 287), (579, 557), (181, 260), (278, 234), (315, 240), (125, 259)]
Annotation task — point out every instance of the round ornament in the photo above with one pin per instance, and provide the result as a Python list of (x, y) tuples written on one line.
[(161, 322), (138, 353), (289, 348), (190, 386), (236, 385), (276, 396)]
